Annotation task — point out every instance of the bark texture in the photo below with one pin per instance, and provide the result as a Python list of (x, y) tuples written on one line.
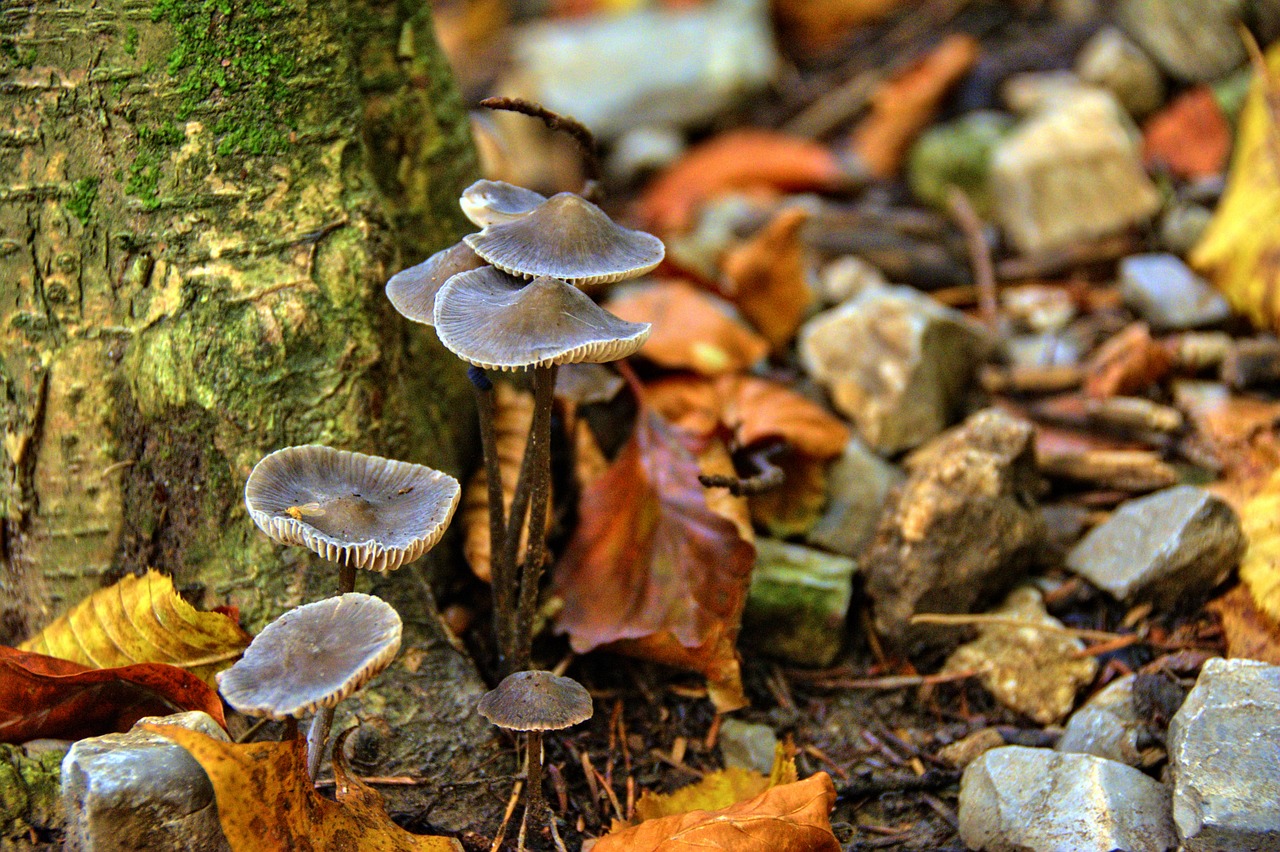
[(200, 201)]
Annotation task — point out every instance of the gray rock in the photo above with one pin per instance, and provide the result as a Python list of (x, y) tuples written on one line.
[(1182, 226), (1017, 799), (797, 603), (1193, 41), (896, 362), (1164, 291), (847, 277), (642, 151), (140, 791), (1111, 60), (1167, 547), (1071, 172), (962, 529), (1041, 350), (1107, 726), (1224, 759), (858, 485), (747, 745)]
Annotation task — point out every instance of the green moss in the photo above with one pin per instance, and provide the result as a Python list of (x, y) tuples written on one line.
[(131, 41), (85, 192)]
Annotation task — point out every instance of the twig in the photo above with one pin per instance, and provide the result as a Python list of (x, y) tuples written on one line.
[(506, 817), (984, 273), (872, 785), (897, 681), (768, 476), (576, 130), (946, 620)]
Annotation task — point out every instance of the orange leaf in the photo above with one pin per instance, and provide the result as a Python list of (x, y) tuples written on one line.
[(821, 24), (1191, 136), (1127, 363), (736, 160), (1251, 635), (904, 106), (765, 278), (49, 697), (788, 818), (692, 330)]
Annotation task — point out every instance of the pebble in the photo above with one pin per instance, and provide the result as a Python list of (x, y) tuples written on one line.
[(1110, 59), (1224, 759), (847, 277), (1028, 91), (1018, 799), (1041, 350), (1182, 226), (896, 362), (797, 602), (858, 486), (139, 790), (962, 529), (1169, 547), (957, 154), (1038, 307), (1107, 726), (1163, 290), (1033, 672), (642, 151), (747, 745), (963, 752), (1195, 42), (1070, 173)]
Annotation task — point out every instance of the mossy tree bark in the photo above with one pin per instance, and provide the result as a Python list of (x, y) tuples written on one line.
[(199, 203)]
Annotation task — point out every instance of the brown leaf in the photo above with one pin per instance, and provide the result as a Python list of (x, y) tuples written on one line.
[(1242, 434), (266, 800), (787, 818), (794, 507), (50, 697), (904, 106), (759, 410), (717, 790), (1251, 635), (817, 25), (1191, 137), (691, 329), (1127, 363), (736, 160), (765, 278)]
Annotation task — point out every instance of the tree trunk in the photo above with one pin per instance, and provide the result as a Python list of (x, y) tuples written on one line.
[(199, 203)]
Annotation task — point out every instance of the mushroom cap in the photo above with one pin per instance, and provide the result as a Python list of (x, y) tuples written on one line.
[(492, 202), (412, 291), (313, 656), (350, 508), (492, 320), (569, 238), (536, 701)]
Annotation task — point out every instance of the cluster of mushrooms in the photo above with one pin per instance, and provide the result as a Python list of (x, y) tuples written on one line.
[(507, 298)]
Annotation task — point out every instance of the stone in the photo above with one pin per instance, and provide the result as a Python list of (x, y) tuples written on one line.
[(858, 486), (30, 796), (1018, 799), (1224, 759), (1033, 672), (1194, 42), (1170, 547), (847, 277), (715, 230), (962, 529), (1041, 350), (957, 153), (747, 745), (797, 602), (1111, 60), (1071, 172), (1028, 91), (140, 790), (1107, 726), (1182, 226), (674, 68), (1163, 290), (963, 752), (643, 150), (896, 362), (1039, 307)]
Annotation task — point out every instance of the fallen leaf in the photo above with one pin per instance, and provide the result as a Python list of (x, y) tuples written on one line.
[(718, 789), (266, 800), (737, 159), (765, 277), (788, 818), (1127, 363), (1251, 635), (1240, 431), (1260, 565), (142, 620), (1191, 137), (794, 507), (692, 330), (50, 697), (903, 106), (817, 25), (652, 570)]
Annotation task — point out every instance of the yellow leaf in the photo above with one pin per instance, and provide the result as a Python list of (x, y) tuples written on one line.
[(266, 800), (1240, 250), (142, 620), (719, 789), (1260, 567)]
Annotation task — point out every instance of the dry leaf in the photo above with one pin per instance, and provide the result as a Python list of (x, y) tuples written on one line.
[(902, 107), (1240, 431), (738, 159), (794, 507), (142, 620), (1260, 565), (1250, 634), (1191, 137), (266, 800), (653, 570), (717, 789), (817, 25), (1127, 363), (765, 278), (692, 330), (50, 697), (760, 410), (788, 818)]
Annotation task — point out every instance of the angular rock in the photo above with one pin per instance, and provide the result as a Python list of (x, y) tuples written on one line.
[(1071, 172), (847, 277), (1224, 759), (1163, 290), (1111, 60), (1107, 726), (896, 362), (797, 603), (1034, 672), (858, 486), (1196, 42), (1168, 547), (961, 531), (747, 745), (963, 752), (139, 790), (1017, 799), (957, 153)]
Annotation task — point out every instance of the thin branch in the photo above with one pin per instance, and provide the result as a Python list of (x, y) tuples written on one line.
[(576, 130)]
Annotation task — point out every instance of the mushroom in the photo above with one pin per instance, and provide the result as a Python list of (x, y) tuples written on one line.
[(492, 202), (412, 291), (533, 702), (310, 658)]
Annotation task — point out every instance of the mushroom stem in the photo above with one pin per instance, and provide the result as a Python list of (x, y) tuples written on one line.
[(502, 574), (346, 578), (544, 386), (317, 736), (534, 804), (290, 729)]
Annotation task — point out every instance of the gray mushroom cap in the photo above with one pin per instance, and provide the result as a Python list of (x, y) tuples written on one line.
[(313, 656), (412, 291), (569, 238), (351, 508), (498, 322), (536, 701), (492, 202)]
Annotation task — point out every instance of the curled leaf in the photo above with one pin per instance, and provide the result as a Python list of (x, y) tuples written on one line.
[(765, 278), (1251, 635), (719, 789)]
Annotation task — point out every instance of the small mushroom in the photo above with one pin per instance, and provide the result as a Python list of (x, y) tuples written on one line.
[(569, 238), (533, 702), (412, 291), (492, 202)]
